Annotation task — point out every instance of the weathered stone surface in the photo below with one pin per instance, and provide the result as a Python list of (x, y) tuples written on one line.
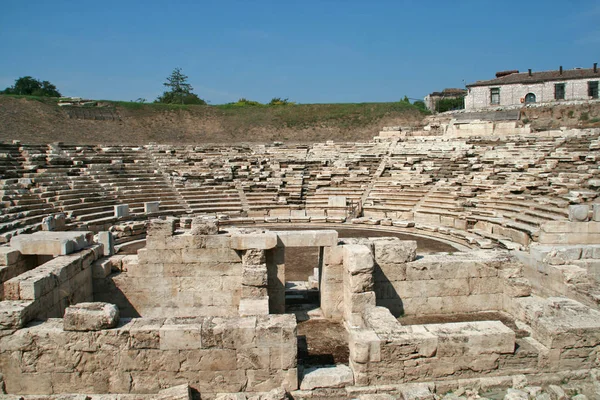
[(253, 257), (161, 228), (516, 394), (394, 250), (258, 306), (327, 377), (417, 392), (358, 259), (108, 243), (91, 317), (204, 226), (472, 338), (9, 256), (151, 207), (51, 243), (578, 213), (174, 336), (255, 275), (180, 392), (309, 238), (121, 210), (260, 241), (596, 213)]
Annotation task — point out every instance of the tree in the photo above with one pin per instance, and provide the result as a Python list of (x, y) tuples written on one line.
[(180, 90), (29, 86), (420, 104), (456, 103)]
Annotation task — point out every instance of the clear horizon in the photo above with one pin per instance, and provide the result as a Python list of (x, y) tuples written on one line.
[(327, 51)]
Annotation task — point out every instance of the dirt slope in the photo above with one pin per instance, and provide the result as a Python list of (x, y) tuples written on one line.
[(34, 121)]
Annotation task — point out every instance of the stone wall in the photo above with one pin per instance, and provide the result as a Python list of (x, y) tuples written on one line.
[(436, 284), (177, 275), (555, 334), (570, 232), (13, 263), (385, 352), (46, 291), (253, 354), (478, 97)]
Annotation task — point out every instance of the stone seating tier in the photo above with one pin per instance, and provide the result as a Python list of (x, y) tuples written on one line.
[(514, 181)]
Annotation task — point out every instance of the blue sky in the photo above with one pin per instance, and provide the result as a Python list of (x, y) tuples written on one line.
[(310, 51)]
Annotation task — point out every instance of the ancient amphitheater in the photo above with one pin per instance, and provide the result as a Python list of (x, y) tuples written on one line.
[(409, 266)]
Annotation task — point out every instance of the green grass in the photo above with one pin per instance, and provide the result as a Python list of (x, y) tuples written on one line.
[(345, 115)]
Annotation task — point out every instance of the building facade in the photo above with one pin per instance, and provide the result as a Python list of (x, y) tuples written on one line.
[(511, 88), (432, 100)]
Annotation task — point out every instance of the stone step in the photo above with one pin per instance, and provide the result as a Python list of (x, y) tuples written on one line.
[(87, 218)]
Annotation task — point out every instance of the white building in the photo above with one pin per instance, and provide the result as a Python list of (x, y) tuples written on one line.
[(513, 88)]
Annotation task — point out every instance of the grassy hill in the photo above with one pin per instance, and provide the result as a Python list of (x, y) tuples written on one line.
[(41, 120)]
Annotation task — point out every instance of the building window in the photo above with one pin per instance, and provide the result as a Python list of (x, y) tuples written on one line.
[(593, 89), (530, 98), (559, 91), (495, 96)]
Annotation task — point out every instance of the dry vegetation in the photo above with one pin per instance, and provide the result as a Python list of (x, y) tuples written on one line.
[(40, 120)]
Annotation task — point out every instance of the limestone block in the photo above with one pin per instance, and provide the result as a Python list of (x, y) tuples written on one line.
[(327, 377), (214, 255), (333, 255), (180, 392), (307, 238), (336, 201), (91, 317), (403, 224), (460, 224), (255, 275), (406, 343), (418, 391), (359, 283), (204, 226), (358, 259), (359, 302), (51, 243), (15, 314), (9, 256), (595, 212), (261, 241), (101, 269), (108, 244), (579, 212), (180, 336), (151, 207), (472, 338), (394, 250), (253, 257), (364, 346), (48, 223), (556, 392), (250, 307), (121, 210), (253, 292), (516, 394), (517, 287), (160, 228)]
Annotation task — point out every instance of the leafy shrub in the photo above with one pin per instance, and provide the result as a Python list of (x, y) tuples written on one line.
[(243, 102), (278, 101)]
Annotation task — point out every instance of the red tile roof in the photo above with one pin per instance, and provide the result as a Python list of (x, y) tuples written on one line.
[(538, 77)]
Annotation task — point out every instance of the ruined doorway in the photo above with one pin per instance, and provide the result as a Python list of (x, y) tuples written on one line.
[(302, 272)]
